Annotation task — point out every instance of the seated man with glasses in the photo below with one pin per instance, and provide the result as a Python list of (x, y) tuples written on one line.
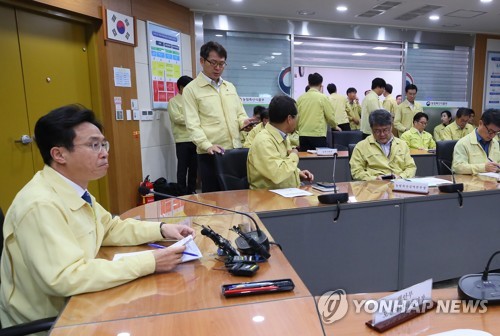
[(478, 151), (381, 155), (416, 137), (54, 227), (213, 112)]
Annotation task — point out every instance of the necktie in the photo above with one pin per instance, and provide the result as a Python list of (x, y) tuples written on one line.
[(86, 197)]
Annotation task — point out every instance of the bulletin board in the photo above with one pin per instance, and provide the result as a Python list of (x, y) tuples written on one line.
[(492, 85), (165, 63)]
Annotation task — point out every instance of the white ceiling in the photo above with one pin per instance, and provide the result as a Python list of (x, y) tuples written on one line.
[(488, 20)]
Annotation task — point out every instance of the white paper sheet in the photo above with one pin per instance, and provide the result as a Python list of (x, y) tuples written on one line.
[(291, 192)]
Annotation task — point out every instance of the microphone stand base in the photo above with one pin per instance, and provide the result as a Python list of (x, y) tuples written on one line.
[(451, 188), (243, 246), (333, 198)]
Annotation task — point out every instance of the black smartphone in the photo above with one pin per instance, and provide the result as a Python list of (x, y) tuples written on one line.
[(326, 184), (387, 177)]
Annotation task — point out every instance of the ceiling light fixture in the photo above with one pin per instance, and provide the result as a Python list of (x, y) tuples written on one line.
[(237, 0), (305, 13), (379, 48), (486, 1), (276, 53), (359, 54), (434, 17), (341, 8), (297, 43), (219, 35)]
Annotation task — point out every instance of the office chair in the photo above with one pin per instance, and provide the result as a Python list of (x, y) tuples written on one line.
[(329, 137), (341, 140), (28, 327), (231, 169), (350, 148), (444, 152)]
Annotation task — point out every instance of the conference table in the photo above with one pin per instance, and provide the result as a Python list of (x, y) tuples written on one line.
[(188, 301), (383, 239), (322, 165)]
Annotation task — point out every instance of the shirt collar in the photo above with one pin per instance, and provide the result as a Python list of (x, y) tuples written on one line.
[(283, 134), (79, 190), (216, 84), (480, 139)]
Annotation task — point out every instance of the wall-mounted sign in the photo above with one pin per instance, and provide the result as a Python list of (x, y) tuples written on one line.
[(119, 27)]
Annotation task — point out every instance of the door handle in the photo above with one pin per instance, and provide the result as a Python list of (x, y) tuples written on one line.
[(25, 139)]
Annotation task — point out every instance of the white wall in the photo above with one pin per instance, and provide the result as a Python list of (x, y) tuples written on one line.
[(360, 79), (157, 141)]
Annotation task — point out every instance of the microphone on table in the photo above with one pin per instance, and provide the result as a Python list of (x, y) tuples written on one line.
[(335, 197), (450, 188), (483, 286), (258, 236)]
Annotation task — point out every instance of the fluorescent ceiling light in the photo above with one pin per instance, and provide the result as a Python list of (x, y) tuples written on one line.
[(341, 8), (276, 53), (359, 54), (219, 35), (379, 48), (434, 17), (298, 43), (486, 1)]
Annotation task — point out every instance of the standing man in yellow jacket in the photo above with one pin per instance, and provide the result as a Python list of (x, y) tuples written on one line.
[(389, 104), (272, 162), (460, 127), (478, 151), (338, 103), (315, 112), (214, 113), (403, 118), (417, 137), (381, 155), (353, 109), (371, 103), (185, 149)]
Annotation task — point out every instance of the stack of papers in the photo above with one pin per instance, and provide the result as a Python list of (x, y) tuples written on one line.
[(291, 192), (494, 175), (430, 181)]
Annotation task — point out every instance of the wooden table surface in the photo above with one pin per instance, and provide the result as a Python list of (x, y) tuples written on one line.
[(193, 286), (426, 324)]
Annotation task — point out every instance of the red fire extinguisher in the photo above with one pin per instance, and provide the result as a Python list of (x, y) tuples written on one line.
[(148, 184)]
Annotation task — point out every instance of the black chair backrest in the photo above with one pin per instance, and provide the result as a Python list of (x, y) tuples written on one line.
[(329, 137), (444, 152), (341, 140), (231, 168)]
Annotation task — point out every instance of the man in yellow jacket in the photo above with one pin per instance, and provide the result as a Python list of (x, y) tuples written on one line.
[(478, 151), (315, 112), (460, 127), (185, 149), (389, 104), (417, 137), (406, 110), (264, 116), (381, 155), (272, 162), (353, 109), (338, 103), (371, 103), (214, 113), (55, 227)]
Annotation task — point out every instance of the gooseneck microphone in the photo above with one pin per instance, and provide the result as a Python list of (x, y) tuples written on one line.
[(450, 188), (335, 197), (259, 236), (220, 241), (483, 286), (254, 247)]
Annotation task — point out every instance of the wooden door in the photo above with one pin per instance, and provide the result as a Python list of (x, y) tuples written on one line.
[(50, 55)]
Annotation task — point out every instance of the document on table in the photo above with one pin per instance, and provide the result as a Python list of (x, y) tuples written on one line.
[(291, 192), (191, 252), (431, 181), (494, 175), (463, 332)]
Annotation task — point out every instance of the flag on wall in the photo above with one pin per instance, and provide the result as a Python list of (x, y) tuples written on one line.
[(120, 27)]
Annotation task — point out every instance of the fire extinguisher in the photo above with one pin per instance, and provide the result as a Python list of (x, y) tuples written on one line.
[(148, 184)]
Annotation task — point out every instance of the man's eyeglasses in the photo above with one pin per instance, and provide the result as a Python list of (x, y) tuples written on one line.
[(491, 132), (97, 146), (382, 130), (216, 64)]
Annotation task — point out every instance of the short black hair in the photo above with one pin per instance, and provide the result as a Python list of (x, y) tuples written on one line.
[(399, 96), (351, 89), (183, 81), (378, 82), (257, 110), (419, 116), (388, 88), (213, 46), (411, 87), (307, 88), (56, 128), (281, 107), (380, 118), (448, 113), (331, 88), (315, 79), (464, 111), (491, 116)]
